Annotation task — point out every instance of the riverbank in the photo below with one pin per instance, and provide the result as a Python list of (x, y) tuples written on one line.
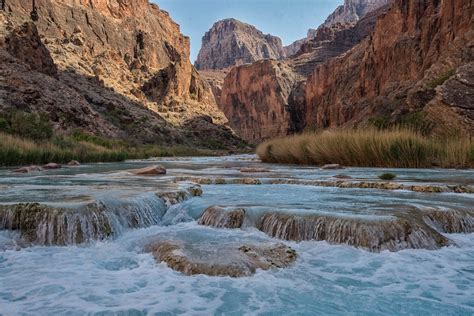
[(370, 148), (16, 151)]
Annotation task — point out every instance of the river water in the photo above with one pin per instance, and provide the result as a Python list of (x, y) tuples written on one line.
[(115, 276)]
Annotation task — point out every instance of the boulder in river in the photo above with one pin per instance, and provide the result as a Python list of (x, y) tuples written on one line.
[(28, 169), (231, 260), (195, 190), (51, 166), (218, 217), (73, 163), (175, 197), (149, 171)]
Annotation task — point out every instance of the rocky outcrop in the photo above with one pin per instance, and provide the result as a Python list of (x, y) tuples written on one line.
[(40, 224), (231, 43), (412, 63), (25, 44), (344, 17), (221, 260), (294, 47), (109, 67), (352, 11), (219, 217), (215, 78), (405, 231)]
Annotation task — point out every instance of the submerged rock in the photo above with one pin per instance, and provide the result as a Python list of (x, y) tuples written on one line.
[(247, 181), (254, 170), (223, 260), (374, 235), (342, 176), (51, 166), (149, 171), (219, 181), (332, 167), (28, 169), (346, 184), (218, 217)]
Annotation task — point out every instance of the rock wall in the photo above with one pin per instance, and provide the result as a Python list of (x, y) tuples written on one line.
[(126, 61), (262, 103), (231, 43), (255, 98), (352, 11), (423, 63), (344, 17)]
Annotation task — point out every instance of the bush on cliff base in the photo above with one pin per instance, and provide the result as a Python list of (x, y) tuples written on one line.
[(370, 148)]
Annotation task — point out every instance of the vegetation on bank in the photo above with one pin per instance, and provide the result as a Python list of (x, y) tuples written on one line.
[(16, 151), (370, 148), (28, 138), (387, 176)]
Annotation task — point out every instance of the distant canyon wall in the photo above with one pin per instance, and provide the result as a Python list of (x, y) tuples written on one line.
[(409, 60)]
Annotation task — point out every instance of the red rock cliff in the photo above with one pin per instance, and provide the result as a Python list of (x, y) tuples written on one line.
[(419, 57), (125, 61)]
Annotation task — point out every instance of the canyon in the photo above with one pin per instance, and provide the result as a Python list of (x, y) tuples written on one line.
[(358, 70), (312, 224), (117, 69)]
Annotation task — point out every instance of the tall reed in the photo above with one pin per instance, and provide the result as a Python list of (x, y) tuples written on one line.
[(15, 151), (370, 148)]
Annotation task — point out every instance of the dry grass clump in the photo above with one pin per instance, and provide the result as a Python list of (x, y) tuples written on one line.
[(370, 148), (15, 151)]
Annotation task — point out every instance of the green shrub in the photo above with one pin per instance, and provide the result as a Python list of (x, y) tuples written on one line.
[(387, 176), (28, 125), (441, 79)]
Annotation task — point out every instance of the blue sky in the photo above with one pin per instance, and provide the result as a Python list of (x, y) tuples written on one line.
[(287, 19)]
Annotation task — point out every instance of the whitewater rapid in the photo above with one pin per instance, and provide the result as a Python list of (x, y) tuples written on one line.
[(115, 276)]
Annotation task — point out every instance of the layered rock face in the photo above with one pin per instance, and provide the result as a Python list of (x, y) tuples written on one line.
[(424, 63), (256, 99), (122, 69), (266, 99), (344, 17), (352, 11), (231, 43)]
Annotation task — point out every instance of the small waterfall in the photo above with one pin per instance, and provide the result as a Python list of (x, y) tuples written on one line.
[(373, 235), (46, 225), (451, 222), (218, 217)]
